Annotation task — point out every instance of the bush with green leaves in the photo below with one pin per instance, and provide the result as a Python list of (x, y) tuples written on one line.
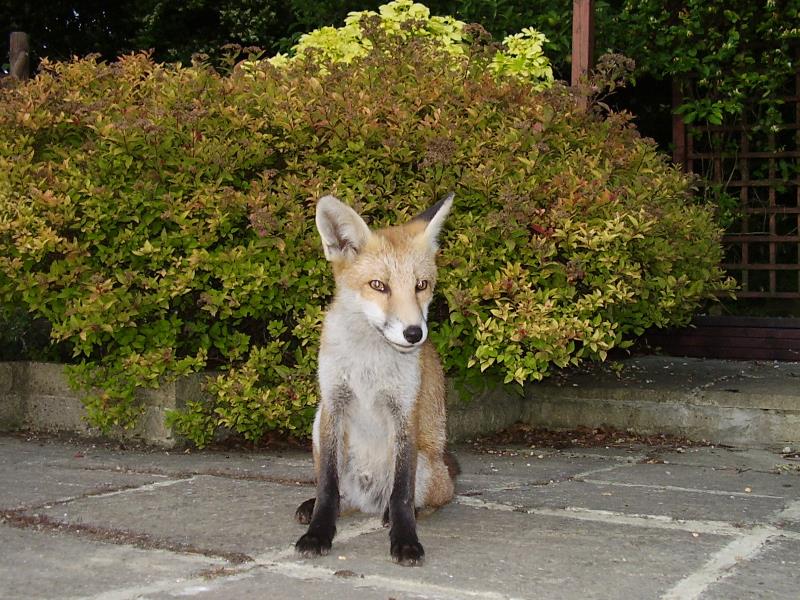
[(520, 55), (161, 218)]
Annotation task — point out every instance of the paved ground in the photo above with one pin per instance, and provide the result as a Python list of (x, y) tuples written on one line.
[(84, 521)]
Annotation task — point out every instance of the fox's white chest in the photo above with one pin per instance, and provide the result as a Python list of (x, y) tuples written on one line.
[(366, 462), (356, 357), (382, 385)]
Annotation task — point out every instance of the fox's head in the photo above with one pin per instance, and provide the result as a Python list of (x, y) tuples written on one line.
[(386, 275)]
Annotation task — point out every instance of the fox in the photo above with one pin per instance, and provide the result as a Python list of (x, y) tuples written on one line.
[(378, 437)]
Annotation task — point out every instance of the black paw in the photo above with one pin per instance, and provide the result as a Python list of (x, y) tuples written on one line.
[(314, 544), (304, 511), (407, 552)]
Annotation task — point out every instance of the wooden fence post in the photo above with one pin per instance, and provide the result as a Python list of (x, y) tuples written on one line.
[(582, 43), (19, 55), (678, 126)]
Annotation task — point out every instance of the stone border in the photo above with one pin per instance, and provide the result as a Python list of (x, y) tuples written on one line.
[(740, 403), (36, 396), (718, 401)]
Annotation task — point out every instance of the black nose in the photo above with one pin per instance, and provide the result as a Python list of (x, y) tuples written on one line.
[(412, 334)]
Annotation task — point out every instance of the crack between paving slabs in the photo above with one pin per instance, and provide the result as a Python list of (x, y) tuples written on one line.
[(579, 477), (655, 458), (37, 522), (21, 518), (280, 561), (696, 393), (676, 488), (195, 583), (720, 527), (191, 473), (724, 562), (607, 516), (96, 493), (276, 561), (269, 561), (470, 498), (391, 584)]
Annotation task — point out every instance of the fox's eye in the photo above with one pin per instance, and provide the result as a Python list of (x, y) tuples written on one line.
[(377, 285), (422, 284)]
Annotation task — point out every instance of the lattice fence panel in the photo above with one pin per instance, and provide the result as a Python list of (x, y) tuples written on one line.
[(762, 169)]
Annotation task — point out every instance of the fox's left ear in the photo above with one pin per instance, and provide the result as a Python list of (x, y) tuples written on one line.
[(435, 217)]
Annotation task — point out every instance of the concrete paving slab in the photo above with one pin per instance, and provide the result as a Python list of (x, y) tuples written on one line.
[(789, 519), (776, 380), (219, 514), (610, 533), (751, 459), (664, 378), (498, 471), (19, 450), (730, 481), (772, 575), (261, 582), (47, 471), (35, 564), (635, 453), (34, 485), (289, 465), (675, 504), (505, 554)]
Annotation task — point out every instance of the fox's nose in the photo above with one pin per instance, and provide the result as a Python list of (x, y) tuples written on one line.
[(413, 334)]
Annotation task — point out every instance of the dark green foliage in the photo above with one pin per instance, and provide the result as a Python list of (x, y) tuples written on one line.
[(734, 55), (176, 29), (61, 29)]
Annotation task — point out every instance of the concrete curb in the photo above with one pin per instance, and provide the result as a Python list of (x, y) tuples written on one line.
[(728, 402), (741, 403)]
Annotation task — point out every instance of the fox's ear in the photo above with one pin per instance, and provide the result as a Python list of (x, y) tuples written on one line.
[(342, 230), (435, 217)]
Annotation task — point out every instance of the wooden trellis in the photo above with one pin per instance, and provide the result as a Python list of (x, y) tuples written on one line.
[(761, 169)]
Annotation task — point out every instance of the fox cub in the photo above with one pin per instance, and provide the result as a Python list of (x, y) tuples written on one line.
[(379, 431)]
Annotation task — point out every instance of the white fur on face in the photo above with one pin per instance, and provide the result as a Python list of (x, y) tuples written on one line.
[(391, 327)]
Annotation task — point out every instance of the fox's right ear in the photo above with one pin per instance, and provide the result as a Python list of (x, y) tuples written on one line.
[(342, 230)]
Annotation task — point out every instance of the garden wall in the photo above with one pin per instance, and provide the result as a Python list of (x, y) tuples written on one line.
[(725, 402), (36, 396)]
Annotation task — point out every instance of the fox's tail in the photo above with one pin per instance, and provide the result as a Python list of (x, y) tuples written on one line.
[(453, 468)]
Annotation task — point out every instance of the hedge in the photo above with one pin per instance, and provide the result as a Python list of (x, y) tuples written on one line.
[(160, 217)]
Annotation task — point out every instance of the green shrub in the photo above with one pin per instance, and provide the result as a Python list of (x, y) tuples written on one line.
[(520, 55), (161, 219)]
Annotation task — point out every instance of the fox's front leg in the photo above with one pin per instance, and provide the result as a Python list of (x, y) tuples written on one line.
[(319, 537), (403, 543)]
